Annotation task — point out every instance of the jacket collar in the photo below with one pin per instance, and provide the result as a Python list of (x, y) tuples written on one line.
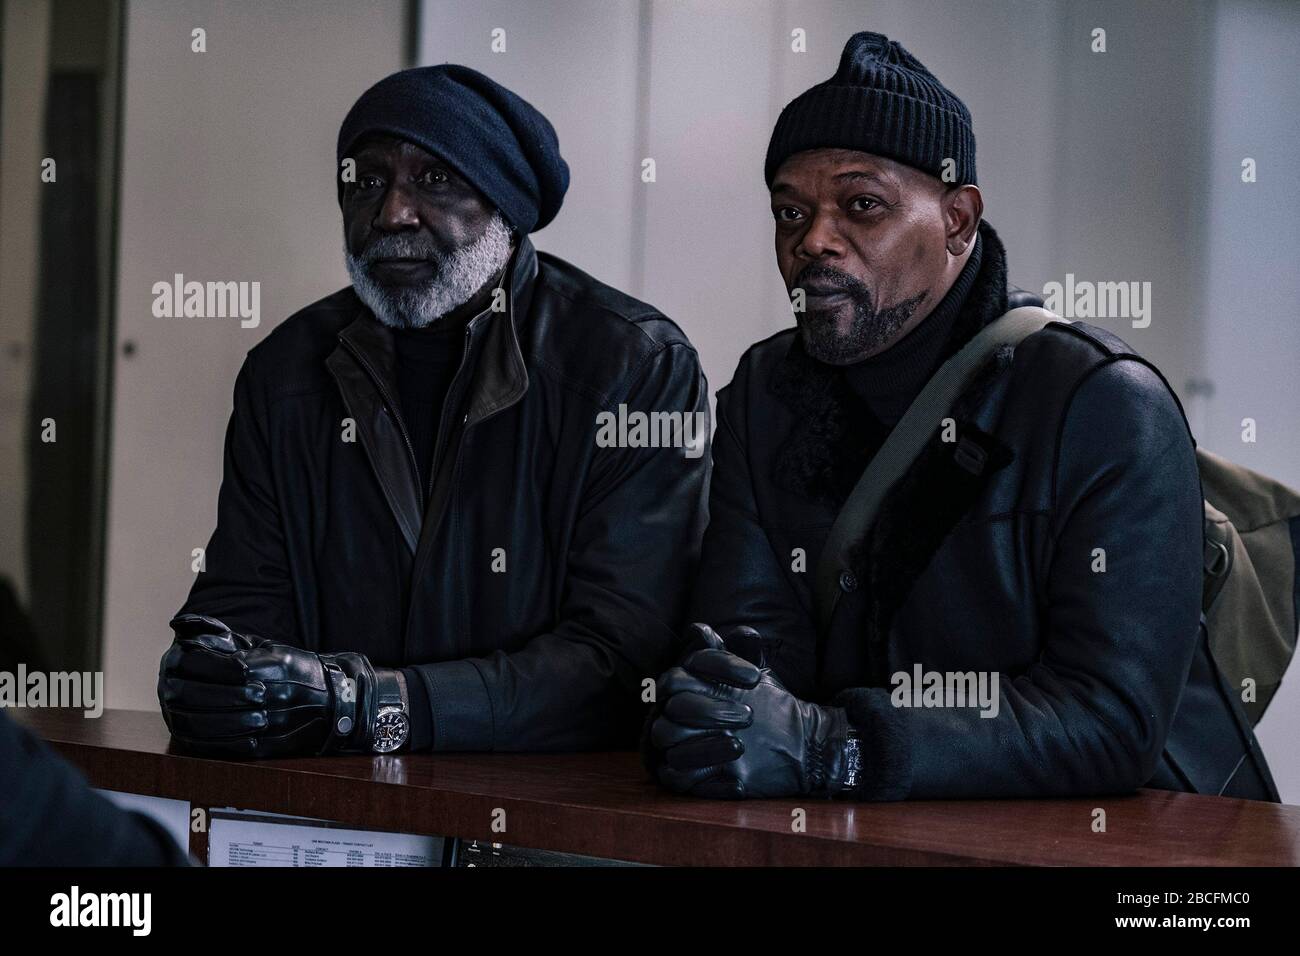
[(500, 374), (364, 367), (500, 377)]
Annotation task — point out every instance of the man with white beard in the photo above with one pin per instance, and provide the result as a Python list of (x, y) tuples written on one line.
[(454, 279), (420, 543)]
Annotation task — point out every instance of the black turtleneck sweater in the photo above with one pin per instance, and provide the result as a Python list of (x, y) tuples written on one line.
[(427, 360), (888, 382)]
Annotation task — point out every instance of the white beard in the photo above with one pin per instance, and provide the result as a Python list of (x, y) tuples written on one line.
[(459, 276)]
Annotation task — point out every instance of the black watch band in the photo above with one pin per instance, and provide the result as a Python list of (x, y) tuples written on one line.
[(392, 712)]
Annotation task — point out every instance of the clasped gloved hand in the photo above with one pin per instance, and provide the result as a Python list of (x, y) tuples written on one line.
[(237, 695), (726, 727)]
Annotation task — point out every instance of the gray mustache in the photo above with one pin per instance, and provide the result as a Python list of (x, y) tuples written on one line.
[(401, 247)]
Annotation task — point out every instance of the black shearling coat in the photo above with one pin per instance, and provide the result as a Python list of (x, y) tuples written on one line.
[(1106, 683)]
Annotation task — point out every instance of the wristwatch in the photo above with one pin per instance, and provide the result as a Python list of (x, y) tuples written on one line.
[(851, 769), (392, 721)]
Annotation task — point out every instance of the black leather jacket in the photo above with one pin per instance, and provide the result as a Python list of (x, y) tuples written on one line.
[(1105, 680), (548, 576)]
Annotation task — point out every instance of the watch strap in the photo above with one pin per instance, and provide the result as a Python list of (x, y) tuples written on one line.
[(352, 695), (406, 697), (343, 709), (390, 688)]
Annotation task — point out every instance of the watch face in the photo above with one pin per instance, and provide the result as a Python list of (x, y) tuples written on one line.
[(391, 730)]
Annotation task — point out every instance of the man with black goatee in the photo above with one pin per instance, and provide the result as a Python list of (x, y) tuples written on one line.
[(981, 558)]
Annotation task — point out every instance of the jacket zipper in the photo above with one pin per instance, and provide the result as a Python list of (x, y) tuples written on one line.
[(449, 402), (418, 571), (391, 406), (443, 438)]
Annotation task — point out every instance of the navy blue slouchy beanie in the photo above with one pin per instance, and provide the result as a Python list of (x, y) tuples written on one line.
[(493, 137)]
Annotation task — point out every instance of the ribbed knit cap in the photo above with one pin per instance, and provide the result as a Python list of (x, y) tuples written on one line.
[(881, 100)]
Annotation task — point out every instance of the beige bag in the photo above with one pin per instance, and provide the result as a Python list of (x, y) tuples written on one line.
[(1251, 597)]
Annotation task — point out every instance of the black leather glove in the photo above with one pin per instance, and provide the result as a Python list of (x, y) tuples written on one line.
[(239, 695), (729, 729), (744, 641)]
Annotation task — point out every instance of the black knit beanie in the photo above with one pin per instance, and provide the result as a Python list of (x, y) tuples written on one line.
[(881, 100), (493, 137)]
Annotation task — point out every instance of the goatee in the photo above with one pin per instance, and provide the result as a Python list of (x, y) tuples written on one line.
[(870, 330)]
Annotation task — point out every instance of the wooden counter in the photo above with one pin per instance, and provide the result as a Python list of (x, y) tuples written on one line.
[(602, 805)]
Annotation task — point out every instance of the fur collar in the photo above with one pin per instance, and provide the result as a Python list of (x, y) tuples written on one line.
[(835, 436)]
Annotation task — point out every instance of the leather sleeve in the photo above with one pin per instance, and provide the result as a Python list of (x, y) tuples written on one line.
[(245, 582), (741, 579), (1091, 715), (49, 815), (632, 556)]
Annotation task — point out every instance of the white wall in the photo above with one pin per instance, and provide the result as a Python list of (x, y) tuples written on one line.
[(227, 174)]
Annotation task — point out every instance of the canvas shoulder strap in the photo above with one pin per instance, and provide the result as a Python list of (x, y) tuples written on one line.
[(904, 444)]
